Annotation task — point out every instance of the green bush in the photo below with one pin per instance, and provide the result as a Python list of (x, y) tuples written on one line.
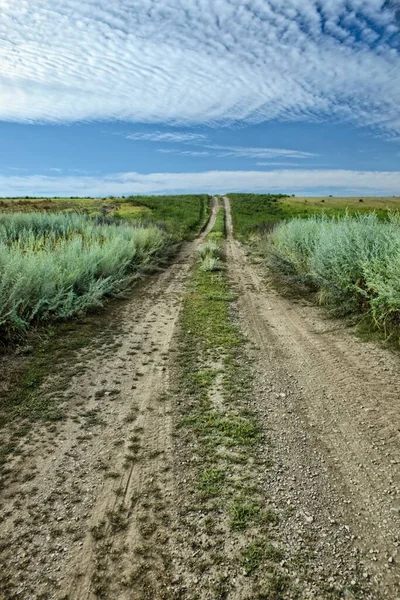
[(58, 265), (354, 261)]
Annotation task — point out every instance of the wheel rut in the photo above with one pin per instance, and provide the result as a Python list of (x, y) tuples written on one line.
[(102, 483), (331, 404)]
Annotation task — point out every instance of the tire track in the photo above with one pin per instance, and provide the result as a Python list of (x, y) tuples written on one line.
[(336, 401), (96, 513)]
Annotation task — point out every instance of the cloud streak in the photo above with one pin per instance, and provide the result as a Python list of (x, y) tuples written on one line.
[(168, 137), (239, 152), (297, 181), (196, 61)]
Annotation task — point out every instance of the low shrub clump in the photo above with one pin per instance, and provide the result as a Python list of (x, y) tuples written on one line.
[(353, 262), (58, 265), (210, 256)]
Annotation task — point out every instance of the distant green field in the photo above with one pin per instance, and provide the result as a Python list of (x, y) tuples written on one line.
[(256, 213), (332, 205), (181, 216)]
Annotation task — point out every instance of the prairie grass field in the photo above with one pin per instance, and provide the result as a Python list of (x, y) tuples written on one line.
[(60, 257), (181, 216), (257, 213), (57, 266)]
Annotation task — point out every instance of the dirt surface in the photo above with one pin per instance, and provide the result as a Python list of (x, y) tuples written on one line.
[(99, 505), (86, 495), (331, 406)]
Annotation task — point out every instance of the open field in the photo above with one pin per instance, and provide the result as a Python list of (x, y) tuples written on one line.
[(57, 263), (345, 202), (202, 438), (179, 215), (256, 213)]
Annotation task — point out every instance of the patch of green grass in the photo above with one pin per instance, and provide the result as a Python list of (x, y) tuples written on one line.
[(255, 213), (182, 216), (243, 512), (257, 553), (211, 480)]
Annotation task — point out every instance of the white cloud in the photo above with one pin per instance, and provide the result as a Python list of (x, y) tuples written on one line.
[(184, 152), (290, 181), (169, 137), (258, 152), (279, 164), (241, 152), (196, 61)]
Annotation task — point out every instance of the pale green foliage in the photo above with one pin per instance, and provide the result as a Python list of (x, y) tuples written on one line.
[(59, 265), (210, 248), (210, 263), (210, 256), (355, 261)]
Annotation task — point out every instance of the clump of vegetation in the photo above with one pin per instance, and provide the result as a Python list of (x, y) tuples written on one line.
[(353, 261), (58, 265), (210, 256)]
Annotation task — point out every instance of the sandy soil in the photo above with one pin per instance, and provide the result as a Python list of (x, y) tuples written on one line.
[(93, 495), (331, 405)]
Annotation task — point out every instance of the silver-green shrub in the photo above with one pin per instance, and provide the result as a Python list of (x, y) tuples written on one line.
[(59, 265), (354, 260)]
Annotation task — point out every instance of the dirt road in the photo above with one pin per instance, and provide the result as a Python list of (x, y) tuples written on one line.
[(72, 529), (331, 406), (91, 508)]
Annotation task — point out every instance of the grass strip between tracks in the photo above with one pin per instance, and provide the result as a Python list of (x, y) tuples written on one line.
[(234, 542)]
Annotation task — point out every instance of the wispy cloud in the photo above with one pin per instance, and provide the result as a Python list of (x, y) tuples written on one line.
[(297, 181), (184, 152), (279, 164), (241, 152), (201, 62), (255, 152), (169, 137)]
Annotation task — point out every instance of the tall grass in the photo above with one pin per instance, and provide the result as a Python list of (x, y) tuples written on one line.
[(354, 262), (58, 265)]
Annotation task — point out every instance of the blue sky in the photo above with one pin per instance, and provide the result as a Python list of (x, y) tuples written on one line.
[(146, 96)]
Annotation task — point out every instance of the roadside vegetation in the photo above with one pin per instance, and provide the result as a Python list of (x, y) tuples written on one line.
[(180, 216), (345, 251), (353, 262), (255, 214), (57, 266)]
